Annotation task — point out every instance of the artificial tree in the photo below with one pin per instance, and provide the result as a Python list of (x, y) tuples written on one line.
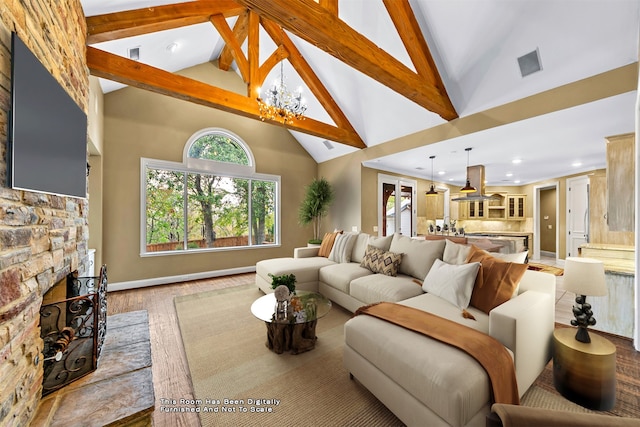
[(318, 198)]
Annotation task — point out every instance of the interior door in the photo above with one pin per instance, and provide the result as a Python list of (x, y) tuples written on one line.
[(577, 213)]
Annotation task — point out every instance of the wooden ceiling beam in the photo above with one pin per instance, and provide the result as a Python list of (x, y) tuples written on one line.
[(308, 75), (136, 74), (318, 26), (240, 31), (113, 26), (233, 44)]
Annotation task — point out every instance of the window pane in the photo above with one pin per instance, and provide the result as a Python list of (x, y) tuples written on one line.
[(164, 210), (217, 211), (263, 212), (218, 147)]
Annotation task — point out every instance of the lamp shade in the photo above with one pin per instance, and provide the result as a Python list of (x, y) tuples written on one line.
[(584, 276)]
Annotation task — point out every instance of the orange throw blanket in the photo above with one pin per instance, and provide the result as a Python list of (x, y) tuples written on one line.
[(488, 351)]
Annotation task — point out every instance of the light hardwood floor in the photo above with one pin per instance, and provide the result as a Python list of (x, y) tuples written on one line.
[(170, 371)]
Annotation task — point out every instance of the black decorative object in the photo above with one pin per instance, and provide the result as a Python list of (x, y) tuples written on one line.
[(584, 318)]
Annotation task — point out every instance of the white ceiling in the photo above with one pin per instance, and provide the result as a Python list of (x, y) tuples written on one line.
[(475, 44)]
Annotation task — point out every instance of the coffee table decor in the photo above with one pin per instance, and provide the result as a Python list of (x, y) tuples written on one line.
[(290, 319)]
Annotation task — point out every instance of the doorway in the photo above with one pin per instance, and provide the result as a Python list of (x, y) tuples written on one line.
[(545, 221), (397, 209), (577, 213)]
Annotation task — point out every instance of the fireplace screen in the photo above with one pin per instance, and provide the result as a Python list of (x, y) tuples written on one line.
[(73, 329)]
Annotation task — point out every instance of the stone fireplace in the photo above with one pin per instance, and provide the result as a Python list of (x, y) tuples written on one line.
[(43, 237)]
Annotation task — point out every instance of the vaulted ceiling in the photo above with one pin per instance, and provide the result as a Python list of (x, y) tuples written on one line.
[(376, 70)]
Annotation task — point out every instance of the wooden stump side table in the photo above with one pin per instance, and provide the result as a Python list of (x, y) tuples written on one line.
[(585, 373), (295, 334)]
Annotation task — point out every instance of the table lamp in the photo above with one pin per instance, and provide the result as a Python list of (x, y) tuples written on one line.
[(584, 276)]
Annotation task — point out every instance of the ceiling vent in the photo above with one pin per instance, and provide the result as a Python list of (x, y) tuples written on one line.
[(530, 63), (328, 144), (134, 53)]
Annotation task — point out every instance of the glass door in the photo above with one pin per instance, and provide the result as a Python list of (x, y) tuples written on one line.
[(397, 208)]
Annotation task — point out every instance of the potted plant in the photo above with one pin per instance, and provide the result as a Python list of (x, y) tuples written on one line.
[(314, 207), (288, 280)]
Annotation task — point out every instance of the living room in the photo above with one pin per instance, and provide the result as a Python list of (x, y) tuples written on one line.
[(129, 124)]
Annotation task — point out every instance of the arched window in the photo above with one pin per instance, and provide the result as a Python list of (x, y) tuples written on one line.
[(213, 200)]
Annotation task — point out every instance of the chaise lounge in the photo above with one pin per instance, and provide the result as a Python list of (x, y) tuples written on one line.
[(421, 380)]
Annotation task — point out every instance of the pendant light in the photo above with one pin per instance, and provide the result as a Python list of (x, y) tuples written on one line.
[(468, 188), (432, 191)]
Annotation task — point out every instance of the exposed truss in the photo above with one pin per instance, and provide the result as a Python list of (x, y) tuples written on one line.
[(317, 23)]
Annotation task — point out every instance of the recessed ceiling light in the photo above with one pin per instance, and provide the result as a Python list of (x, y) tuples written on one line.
[(172, 47), (509, 174), (516, 161), (576, 164), (517, 181), (441, 172)]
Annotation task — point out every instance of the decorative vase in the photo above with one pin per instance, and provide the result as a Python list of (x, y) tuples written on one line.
[(282, 309)]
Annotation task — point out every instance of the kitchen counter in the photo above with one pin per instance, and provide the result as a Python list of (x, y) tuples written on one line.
[(616, 258), (511, 242)]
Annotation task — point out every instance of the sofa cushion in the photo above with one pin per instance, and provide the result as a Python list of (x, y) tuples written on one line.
[(455, 253), (359, 246), (342, 247), (305, 269), (438, 306), (327, 243), (380, 242), (417, 255), (446, 380), (453, 283), (339, 276), (379, 261), (378, 287), (496, 282)]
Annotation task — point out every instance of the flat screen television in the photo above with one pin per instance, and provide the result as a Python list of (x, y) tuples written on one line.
[(47, 150)]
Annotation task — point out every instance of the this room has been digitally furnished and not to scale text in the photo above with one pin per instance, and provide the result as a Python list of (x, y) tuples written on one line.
[(319, 212)]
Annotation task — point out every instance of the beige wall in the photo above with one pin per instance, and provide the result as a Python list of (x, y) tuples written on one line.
[(143, 124)]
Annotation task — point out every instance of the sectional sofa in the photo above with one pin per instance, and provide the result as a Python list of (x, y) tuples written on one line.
[(421, 380)]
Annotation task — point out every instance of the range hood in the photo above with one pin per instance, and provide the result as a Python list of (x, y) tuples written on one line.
[(476, 178)]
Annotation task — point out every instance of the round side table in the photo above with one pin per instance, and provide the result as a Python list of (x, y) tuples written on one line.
[(585, 373)]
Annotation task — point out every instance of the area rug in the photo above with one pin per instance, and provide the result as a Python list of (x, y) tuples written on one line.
[(238, 381), (556, 271)]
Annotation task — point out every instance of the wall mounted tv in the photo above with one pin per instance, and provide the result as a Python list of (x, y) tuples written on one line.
[(47, 149)]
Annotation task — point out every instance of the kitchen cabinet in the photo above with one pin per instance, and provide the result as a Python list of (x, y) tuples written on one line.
[(458, 210), (496, 206), (516, 206), (435, 207), (476, 209), (620, 183)]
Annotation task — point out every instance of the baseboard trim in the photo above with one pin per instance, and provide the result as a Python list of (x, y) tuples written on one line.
[(135, 284)]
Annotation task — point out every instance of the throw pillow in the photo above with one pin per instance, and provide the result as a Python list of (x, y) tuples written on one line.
[(496, 280), (453, 283), (455, 253), (327, 243), (379, 261), (342, 247)]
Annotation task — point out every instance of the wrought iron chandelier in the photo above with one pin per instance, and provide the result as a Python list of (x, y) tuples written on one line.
[(280, 104)]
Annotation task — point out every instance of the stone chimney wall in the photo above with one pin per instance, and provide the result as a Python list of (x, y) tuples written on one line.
[(42, 237)]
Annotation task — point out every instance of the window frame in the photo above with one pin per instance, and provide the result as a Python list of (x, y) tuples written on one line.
[(191, 165)]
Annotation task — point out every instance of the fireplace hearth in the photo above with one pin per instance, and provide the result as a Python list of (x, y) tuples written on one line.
[(73, 325)]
